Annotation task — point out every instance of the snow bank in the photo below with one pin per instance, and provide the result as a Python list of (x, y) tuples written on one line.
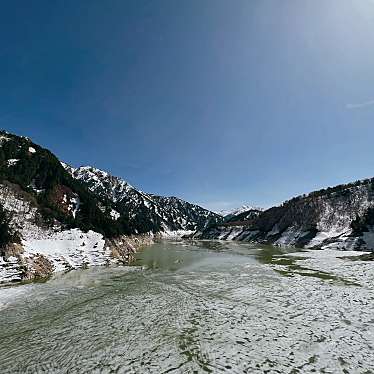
[(177, 234), (12, 161), (70, 249), (338, 263)]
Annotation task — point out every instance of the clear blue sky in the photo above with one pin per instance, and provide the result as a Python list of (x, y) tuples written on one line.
[(220, 102)]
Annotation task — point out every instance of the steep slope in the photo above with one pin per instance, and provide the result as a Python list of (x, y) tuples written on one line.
[(340, 217), (58, 196), (141, 210)]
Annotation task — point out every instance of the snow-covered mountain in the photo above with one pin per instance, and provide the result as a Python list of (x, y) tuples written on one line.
[(340, 217), (249, 209), (54, 217), (235, 211), (164, 214)]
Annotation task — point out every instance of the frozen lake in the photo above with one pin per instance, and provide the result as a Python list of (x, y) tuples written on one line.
[(201, 307)]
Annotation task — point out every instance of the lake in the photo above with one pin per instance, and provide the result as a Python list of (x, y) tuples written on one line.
[(196, 307)]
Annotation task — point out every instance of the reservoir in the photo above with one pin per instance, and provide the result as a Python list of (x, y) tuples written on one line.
[(196, 307)]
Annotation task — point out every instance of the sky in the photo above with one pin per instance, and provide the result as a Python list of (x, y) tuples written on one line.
[(219, 102)]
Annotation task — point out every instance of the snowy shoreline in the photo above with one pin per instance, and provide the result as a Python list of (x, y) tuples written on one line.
[(43, 253), (341, 238), (67, 250)]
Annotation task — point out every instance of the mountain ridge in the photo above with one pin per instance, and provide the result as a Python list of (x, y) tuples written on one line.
[(170, 212)]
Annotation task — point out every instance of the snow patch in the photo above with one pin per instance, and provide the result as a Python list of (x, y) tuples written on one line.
[(114, 214), (10, 270), (4, 138), (12, 161), (177, 234), (74, 205)]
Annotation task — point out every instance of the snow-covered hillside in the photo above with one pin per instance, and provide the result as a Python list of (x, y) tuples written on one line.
[(42, 249), (341, 217)]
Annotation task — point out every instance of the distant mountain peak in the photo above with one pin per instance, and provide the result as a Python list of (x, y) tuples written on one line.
[(236, 211)]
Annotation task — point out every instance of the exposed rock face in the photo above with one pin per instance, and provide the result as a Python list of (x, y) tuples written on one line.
[(67, 201), (341, 217), (124, 248), (13, 250), (37, 266)]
